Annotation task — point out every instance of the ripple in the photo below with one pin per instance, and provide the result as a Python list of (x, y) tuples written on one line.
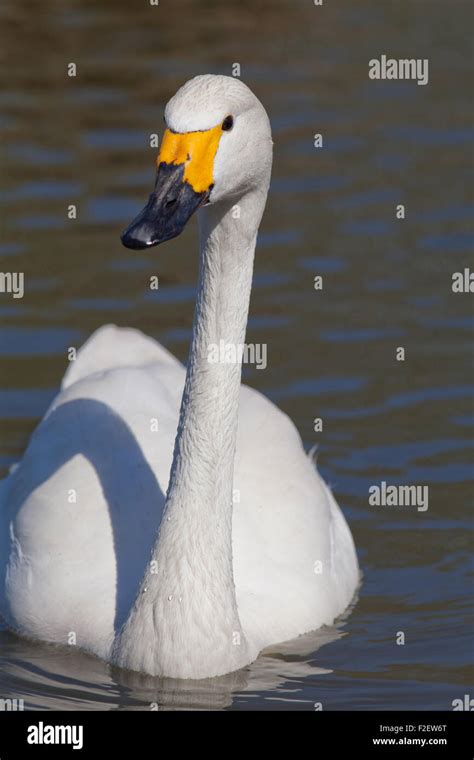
[(283, 237), (398, 454), (268, 321), (107, 210), (11, 249), (369, 227), (356, 200), (38, 155), (322, 265), (430, 135), (306, 184), (40, 221), (315, 386), (25, 402), (101, 304), (44, 189), (403, 400), (130, 264), (362, 334), (454, 241), (172, 294), (37, 341), (113, 139)]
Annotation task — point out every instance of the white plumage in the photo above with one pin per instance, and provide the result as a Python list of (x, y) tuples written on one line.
[(252, 549)]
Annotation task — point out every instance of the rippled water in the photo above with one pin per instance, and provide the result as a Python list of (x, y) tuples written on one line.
[(331, 354)]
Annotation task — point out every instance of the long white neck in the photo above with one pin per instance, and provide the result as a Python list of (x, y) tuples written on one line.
[(185, 622)]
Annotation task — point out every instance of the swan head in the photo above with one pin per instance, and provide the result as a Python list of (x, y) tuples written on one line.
[(216, 147)]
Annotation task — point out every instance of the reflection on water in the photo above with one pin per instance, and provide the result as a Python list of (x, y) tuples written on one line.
[(56, 678), (331, 353)]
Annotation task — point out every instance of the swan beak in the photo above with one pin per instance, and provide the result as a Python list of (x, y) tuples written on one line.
[(184, 181)]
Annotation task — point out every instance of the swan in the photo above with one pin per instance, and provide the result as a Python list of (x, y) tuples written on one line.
[(178, 554)]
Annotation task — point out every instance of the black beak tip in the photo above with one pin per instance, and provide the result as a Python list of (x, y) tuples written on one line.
[(131, 240), (169, 207)]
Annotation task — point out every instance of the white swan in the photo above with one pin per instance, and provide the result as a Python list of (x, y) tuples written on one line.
[(252, 548)]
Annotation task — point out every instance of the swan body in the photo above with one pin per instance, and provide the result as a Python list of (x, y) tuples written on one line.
[(187, 557)]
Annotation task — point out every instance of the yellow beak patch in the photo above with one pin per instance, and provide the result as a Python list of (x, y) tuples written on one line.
[(196, 150)]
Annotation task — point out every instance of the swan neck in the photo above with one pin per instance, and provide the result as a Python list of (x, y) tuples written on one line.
[(189, 600), (202, 471)]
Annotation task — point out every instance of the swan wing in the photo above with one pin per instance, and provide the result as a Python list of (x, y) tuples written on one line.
[(110, 347), (295, 565), (79, 514)]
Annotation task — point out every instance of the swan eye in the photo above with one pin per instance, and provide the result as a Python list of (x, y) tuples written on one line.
[(228, 123)]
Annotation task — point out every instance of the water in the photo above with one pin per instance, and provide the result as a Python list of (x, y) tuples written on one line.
[(331, 354)]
